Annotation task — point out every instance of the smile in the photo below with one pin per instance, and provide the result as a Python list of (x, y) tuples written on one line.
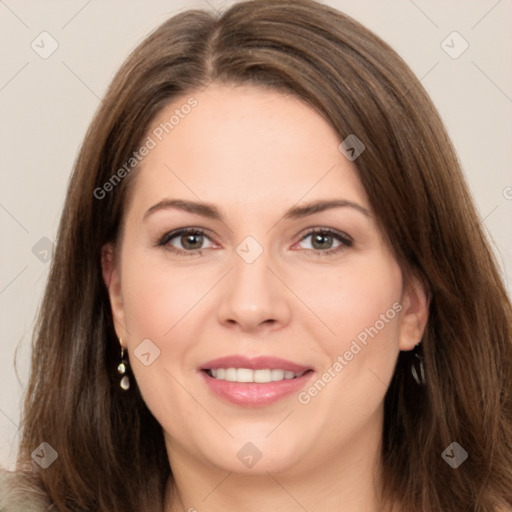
[(254, 382)]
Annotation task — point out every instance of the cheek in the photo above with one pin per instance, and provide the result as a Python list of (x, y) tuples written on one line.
[(360, 302), (156, 298), (362, 307), (159, 305)]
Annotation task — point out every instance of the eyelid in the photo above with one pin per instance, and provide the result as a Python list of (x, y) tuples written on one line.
[(324, 229)]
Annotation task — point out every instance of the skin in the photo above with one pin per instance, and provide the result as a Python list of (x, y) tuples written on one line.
[(255, 153)]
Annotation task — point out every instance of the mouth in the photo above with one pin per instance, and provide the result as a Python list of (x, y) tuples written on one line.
[(253, 382)]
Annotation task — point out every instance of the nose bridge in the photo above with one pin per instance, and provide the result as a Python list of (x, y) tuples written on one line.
[(253, 295)]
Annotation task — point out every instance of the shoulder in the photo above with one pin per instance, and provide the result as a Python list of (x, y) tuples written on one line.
[(16, 495)]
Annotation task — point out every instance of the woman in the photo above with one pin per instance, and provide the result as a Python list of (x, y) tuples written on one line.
[(270, 290)]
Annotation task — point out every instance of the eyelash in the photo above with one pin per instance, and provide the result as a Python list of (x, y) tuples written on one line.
[(346, 241)]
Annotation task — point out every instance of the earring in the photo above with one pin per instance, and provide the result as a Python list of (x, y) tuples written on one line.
[(417, 368), (122, 368)]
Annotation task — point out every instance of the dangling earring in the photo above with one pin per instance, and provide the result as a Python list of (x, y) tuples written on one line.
[(123, 366), (417, 369)]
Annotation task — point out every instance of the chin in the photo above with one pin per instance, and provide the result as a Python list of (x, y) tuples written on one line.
[(258, 456)]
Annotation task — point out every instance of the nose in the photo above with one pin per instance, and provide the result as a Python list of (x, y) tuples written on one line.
[(253, 297)]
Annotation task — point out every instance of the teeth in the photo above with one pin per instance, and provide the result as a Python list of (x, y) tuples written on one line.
[(247, 375), (230, 374), (277, 374), (266, 375)]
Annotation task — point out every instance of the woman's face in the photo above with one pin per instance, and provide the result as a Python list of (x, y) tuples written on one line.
[(280, 287)]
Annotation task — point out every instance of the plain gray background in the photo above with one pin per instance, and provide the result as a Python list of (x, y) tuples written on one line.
[(47, 103)]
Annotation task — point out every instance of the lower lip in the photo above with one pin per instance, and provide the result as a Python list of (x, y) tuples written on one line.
[(250, 394)]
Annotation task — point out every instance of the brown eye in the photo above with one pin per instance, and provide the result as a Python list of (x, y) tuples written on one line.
[(322, 241), (187, 241), (327, 241), (192, 241)]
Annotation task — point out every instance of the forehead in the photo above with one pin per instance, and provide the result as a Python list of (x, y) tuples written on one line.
[(247, 145)]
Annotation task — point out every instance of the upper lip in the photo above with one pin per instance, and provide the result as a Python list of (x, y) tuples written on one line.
[(254, 363)]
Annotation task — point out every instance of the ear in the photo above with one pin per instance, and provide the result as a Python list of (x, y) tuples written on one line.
[(414, 315), (112, 279)]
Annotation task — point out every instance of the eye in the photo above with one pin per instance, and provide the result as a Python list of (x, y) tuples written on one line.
[(186, 241), (189, 241), (325, 241)]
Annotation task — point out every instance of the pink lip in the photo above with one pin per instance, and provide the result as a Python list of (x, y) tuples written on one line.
[(251, 394), (254, 363)]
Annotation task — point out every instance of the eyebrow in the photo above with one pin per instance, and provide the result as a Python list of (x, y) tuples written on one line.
[(212, 212)]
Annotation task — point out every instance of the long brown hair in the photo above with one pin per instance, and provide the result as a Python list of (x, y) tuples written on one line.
[(111, 453)]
